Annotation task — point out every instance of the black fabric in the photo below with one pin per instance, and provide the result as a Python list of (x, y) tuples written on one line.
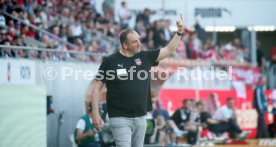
[(90, 145), (231, 126), (260, 56), (272, 130), (192, 137), (204, 117), (128, 97), (179, 119), (262, 131)]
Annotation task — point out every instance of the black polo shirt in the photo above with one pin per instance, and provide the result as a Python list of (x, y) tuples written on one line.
[(128, 90)]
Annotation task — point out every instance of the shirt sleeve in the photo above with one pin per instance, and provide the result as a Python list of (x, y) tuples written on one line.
[(227, 113), (175, 117), (152, 56), (80, 124), (101, 75), (205, 116)]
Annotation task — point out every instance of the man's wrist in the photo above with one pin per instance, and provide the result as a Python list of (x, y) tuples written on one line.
[(95, 113)]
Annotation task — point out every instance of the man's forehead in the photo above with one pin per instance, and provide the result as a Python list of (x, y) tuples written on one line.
[(133, 36)]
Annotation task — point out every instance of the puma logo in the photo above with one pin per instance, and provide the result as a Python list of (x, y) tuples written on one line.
[(120, 65)]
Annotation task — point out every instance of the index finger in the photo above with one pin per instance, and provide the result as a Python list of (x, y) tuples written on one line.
[(181, 16)]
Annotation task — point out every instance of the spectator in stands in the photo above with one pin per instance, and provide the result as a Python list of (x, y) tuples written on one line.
[(201, 32), (213, 103), (108, 9), (244, 54), (24, 17), (208, 51), (227, 116), (80, 48), (228, 51), (182, 119), (182, 50), (156, 34), (159, 110), (196, 43), (94, 47), (272, 70), (159, 135), (260, 104), (7, 52), (2, 20), (145, 17), (166, 31), (273, 55), (236, 43), (33, 54), (62, 47), (125, 15), (19, 41), (76, 27), (260, 55), (141, 29)]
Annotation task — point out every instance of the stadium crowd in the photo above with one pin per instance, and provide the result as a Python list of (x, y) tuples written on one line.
[(79, 23)]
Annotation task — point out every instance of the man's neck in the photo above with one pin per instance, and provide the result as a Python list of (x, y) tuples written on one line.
[(126, 53)]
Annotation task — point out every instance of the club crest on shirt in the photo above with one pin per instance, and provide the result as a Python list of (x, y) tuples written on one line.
[(138, 61)]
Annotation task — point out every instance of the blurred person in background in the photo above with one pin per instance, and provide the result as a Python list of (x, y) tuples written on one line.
[(125, 15), (213, 103), (208, 51), (7, 52), (260, 104), (156, 34), (85, 133), (159, 110), (108, 9), (260, 55), (227, 116), (182, 117), (218, 126), (166, 31), (272, 70), (159, 134)]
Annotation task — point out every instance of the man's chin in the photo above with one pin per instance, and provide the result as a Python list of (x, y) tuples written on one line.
[(138, 50)]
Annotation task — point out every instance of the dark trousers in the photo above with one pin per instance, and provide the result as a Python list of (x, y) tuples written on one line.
[(90, 145), (192, 137), (231, 127), (272, 130), (261, 126)]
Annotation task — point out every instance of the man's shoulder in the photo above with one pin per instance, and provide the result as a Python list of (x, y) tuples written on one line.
[(110, 57), (113, 55)]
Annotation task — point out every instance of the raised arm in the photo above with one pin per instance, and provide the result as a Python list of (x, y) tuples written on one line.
[(171, 47)]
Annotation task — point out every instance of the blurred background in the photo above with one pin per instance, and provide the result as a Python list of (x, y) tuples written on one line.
[(50, 50)]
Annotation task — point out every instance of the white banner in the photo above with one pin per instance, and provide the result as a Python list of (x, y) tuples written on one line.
[(17, 71), (238, 13)]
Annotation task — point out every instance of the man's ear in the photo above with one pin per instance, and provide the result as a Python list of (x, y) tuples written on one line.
[(124, 45)]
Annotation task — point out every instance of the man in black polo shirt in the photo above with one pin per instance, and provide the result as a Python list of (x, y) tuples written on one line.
[(127, 78)]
